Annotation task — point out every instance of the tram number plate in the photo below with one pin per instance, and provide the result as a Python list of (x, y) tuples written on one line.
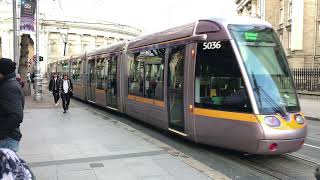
[(212, 45)]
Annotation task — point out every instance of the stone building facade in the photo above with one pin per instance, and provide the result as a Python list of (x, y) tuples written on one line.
[(297, 24), (78, 34)]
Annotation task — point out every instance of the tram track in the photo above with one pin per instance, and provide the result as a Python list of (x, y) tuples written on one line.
[(294, 170), (233, 164), (284, 167), (263, 170), (302, 158)]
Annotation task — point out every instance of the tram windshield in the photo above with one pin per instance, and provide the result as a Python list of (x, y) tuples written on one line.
[(267, 68)]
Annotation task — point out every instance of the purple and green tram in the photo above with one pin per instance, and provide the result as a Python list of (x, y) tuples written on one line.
[(224, 82)]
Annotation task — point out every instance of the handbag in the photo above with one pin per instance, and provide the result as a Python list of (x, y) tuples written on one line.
[(70, 93)]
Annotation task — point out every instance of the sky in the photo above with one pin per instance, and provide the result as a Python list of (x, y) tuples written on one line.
[(149, 16)]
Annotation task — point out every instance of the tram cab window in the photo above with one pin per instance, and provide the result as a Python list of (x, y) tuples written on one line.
[(101, 73), (218, 81)]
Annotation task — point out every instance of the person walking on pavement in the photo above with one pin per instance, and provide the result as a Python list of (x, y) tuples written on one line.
[(11, 106), (66, 88), (54, 87), (20, 80)]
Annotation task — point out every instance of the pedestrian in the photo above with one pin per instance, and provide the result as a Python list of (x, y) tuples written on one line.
[(12, 167), (18, 78), (11, 106), (33, 75), (66, 88), (54, 88)]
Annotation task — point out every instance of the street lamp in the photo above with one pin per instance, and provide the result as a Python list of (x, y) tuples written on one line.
[(38, 78), (15, 36), (64, 36), (63, 32)]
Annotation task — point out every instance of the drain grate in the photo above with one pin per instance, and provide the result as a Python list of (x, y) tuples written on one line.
[(96, 165)]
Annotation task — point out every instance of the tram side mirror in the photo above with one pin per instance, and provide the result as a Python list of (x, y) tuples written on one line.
[(199, 37)]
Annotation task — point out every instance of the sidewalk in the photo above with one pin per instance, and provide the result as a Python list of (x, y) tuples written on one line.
[(311, 108), (87, 145)]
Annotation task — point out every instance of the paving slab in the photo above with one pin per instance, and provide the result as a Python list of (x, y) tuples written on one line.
[(84, 144)]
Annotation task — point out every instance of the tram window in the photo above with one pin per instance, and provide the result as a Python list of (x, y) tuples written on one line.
[(76, 69), (218, 81), (65, 68), (59, 70), (136, 74), (79, 75), (101, 73), (154, 65), (74, 66)]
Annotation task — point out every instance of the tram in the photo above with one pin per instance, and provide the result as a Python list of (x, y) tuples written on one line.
[(224, 82)]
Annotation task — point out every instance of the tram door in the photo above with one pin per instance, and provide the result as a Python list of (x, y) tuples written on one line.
[(111, 90), (91, 81), (175, 84)]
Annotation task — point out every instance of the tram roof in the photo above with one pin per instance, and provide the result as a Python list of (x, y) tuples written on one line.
[(239, 20), (187, 30), (72, 57), (107, 49), (179, 32)]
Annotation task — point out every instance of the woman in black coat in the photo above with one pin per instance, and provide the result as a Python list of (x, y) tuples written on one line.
[(11, 106)]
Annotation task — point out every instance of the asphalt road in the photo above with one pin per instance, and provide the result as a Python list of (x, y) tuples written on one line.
[(311, 148), (234, 164)]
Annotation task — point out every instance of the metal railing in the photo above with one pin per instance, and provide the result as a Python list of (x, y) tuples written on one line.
[(307, 79)]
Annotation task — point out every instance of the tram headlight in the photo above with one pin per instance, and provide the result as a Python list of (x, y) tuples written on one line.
[(272, 121), (299, 119)]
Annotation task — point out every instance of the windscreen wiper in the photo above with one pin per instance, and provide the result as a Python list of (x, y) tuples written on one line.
[(275, 107)]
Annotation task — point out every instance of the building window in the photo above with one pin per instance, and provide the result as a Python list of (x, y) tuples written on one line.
[(281, 12), (281, 16), (281, 37), (70, 49), (319, 33), (290, 10), (54, 47), (84, 47), (289, 39)]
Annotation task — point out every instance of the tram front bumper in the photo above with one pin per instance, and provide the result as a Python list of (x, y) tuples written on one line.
[(279, 146)]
